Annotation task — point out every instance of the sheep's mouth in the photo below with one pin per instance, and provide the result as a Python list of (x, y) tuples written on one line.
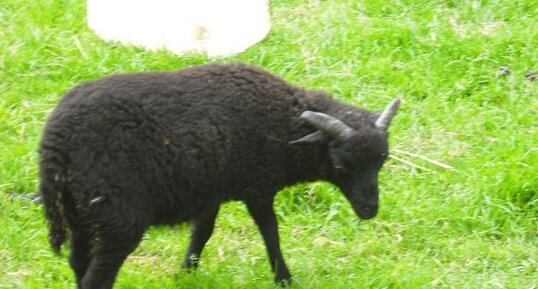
[(363, 209), (365, 212)]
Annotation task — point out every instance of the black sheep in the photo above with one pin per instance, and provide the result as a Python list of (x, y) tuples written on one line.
[(125, 152)]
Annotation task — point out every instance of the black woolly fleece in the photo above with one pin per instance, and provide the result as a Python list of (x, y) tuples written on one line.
[(128, 151)]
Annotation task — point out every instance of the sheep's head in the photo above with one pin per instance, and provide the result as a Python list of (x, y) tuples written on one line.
[(356, 155)]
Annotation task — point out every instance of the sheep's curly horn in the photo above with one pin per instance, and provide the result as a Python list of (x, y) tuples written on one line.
[(326, 123), (385, 118)]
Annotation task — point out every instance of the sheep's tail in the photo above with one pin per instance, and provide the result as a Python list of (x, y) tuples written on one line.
[(53, 199), (53, 194), (57, 228)]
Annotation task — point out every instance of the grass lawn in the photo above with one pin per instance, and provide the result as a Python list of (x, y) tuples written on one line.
[(474, 226)]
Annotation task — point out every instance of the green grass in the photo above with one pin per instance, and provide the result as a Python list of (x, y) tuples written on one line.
[(472, 227)]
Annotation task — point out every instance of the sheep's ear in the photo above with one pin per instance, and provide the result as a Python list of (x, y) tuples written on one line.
[(316, 137)]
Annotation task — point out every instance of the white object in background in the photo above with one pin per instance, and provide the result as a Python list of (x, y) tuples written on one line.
[(216, 27)]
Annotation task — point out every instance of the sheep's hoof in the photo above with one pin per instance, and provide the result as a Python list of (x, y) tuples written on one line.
[(283, 281), (189, 266), (190, 263)]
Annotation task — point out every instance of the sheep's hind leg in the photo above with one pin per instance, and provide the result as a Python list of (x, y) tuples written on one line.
[(202, 228), (107, 259), (79, 258)]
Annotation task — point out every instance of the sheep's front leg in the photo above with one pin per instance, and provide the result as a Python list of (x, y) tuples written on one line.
[(202, 228), (265, 218)]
